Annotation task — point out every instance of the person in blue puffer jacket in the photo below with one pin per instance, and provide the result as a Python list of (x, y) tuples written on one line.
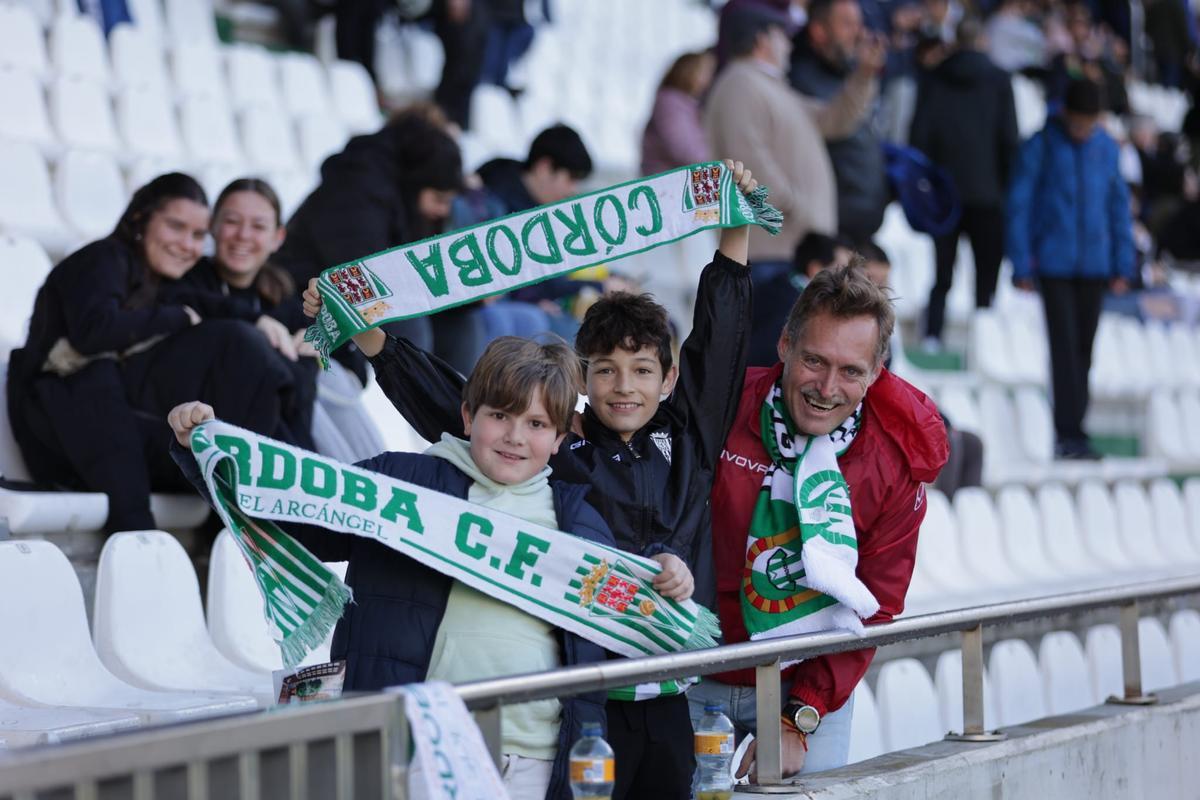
[(1070, 234)]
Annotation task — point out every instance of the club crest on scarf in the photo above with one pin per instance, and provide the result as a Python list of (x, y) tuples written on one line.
[(615, 590)]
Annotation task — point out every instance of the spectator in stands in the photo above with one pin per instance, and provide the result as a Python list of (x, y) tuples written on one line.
[(823, 59), (108, 355), (1069, 229), (774, 298), (247, 229), (793, 13), (462, 26), (753, 110), (674, 134), (1088, 54), (558, 160), (832, 349), (1170, 32), (509, 35), (384, 189), (876, 264), (410, 623), (966, 123), (1015, 41)]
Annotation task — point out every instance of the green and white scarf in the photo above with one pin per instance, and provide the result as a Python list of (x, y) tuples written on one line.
[(802, 550), (450, 760), (531, 246), (598, 592)]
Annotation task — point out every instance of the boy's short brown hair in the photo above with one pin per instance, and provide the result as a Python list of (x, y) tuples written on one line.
[(628, 321), (511, 368)]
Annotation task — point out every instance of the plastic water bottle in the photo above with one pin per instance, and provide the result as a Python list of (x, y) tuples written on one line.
[(714, 755), (592, 767)]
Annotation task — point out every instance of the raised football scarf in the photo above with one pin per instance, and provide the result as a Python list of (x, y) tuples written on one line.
[(802, 551), (450, 759), (528, 247), (600, 593)]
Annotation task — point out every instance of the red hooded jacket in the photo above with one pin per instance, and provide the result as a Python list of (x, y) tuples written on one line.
[(901, 446)]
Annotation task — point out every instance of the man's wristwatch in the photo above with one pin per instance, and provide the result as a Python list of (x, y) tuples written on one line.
[(802, 717)]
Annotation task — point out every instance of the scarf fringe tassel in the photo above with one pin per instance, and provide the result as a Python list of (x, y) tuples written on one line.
[(314, 630), (705, 632), (766, 216)]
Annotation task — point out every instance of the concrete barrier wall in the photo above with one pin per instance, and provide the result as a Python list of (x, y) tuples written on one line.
[(1109, 752)]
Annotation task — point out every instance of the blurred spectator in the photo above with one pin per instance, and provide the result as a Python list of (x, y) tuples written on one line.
[(774, 298), (1089, 55), (877, 264), (823, 59), (674, 134), (509, 35), (462, 26), (793, 15), (966, 123), (1015, 41), (942, 18), (1170, 32), (1069, 227), (384, 189), (558, 160), (753, 111), (109, 354)]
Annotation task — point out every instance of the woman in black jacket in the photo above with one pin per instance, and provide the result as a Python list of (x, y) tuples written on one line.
[(247, 229), (109, 353)]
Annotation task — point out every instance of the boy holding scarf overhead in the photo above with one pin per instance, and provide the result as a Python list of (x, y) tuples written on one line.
[(818, 500), (648, 445), (410, 623)]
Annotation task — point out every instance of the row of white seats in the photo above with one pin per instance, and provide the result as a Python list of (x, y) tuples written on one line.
[(1017, 428), (239, 76), (166, 22), (908, 708), (82, 197), (146, 122), (976, 550)]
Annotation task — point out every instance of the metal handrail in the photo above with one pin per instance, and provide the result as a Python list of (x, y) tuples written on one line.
[(258, 738)]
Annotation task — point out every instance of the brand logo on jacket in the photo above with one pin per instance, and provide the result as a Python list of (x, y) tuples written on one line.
[(744, 462), (662, 440)]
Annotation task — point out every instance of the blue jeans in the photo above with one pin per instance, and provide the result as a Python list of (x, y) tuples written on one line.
[(828, 748)]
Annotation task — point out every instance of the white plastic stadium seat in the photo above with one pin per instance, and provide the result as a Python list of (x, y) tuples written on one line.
[(354, 96), (83, 116), (235, 612), (91, 193), (268, 141), (26, 267), (320, 137), (137, 59), (941, 578), (197, 69), (1103, 647), (1064, 544), (147, 15), (496, 119), (25, 118), (304, 85), (1102, 537), (866, 737), (48, 657), (1185, 640), (947, 678), (27, 200), (1171, 524), (1064, 669), (22, 47), (252, 77), (908, 707), (190, 21), (209, 131), (146, 120), (1136, 524), (1158, 660), (1020, 697), (989, 351), (980, 540), (1191, 497), (1023, 537), (148, 623), (77, 49), (27, 725)]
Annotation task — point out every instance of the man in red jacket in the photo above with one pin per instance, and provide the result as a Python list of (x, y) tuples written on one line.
[(830, 385)]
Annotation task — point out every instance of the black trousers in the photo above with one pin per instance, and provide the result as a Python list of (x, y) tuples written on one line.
[(1072, 314), (984, 227), (652, 744)]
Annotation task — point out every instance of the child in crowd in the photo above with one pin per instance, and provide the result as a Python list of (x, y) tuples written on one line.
[(647, 445), (410, 623)]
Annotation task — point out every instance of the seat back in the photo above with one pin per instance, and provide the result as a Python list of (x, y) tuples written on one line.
[(1185, 640), (26, 266), (137, 59), (320, 137), (1171, 523), (947, 679), (197, 69), (190, 21), (1098, 518), (354, 96), (26, 198), (1024, 539), (1037, 424), (1103, 647), (989, 347), (1060, 526), (979, 536), (866, 735), (1158, 660), (22, 47), (908, 705), (1002, 453), (960, 405), (268, 140), (1020, 696), (1064, 669), (77, 49), (1191, 499), (305, 85), (236, 620), (147, 16), (91, 192), (1136, 525), (25, 118), (939, 553), (253, 79), (147, 123), (83, 115), (209, 131)]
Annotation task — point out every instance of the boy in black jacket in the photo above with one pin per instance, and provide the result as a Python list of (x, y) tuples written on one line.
[(648, 445)]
